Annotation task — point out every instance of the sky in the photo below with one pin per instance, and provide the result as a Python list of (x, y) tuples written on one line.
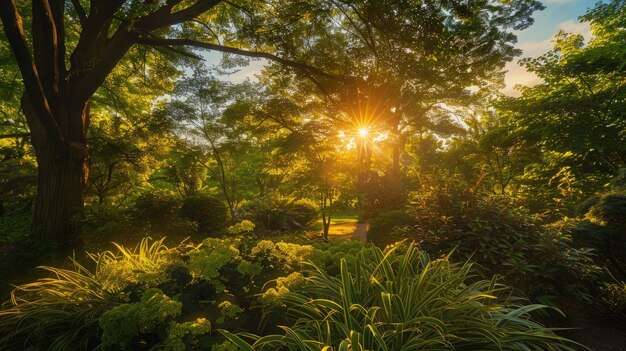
[(537, 39), (534, 41)]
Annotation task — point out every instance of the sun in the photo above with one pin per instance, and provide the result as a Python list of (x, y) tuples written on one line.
[(363, 132)]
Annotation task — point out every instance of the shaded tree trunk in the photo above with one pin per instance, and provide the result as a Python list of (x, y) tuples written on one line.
[(62, 175)]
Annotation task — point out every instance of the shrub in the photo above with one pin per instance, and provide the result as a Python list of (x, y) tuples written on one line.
[(209, 212), (62, 312), (130, 326), (381, 230), (301, 213), (157, 208), (18, 251), (328, 255), (400, 299), (149, 295), (601, 227), (614, 295), (610, 210), (279, 213), (244, 226), (154, 297), (502, 239), (103, 224)]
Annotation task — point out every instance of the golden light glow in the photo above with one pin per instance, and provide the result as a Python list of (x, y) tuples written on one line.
[(363, 132)]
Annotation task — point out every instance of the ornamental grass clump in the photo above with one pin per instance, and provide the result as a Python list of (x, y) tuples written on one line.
[(62, 312), (400, 299)]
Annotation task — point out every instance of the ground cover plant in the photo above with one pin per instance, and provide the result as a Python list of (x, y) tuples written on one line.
[(191, 297), (400, 299)]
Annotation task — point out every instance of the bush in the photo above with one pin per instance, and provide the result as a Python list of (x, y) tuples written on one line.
[(397, 299), (62, 312), (614, 296), (17, 250), (153, 297), (609, 210), (279, 213), (152, 214), (126, 326), (103, 224), (502, 240), (381, 231), (301, 213), (601, 227), (157, 208), (244, 226), (209, 212)]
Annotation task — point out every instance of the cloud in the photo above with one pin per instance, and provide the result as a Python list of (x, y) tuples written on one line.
[(575, 27), (518, 75), (515, 75), (536, 48)]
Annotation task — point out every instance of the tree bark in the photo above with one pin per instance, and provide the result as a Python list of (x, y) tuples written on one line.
[(61, 176)]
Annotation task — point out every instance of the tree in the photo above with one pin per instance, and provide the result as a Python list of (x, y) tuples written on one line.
[(222, 121), (576, 115), (76, 47), (320, 169), (412, 57)]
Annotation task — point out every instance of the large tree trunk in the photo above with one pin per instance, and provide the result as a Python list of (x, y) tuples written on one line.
[(62, 174)]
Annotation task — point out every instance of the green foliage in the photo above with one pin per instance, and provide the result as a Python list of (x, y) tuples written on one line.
[(288, 254), (279, 213), (184, 336), (208, 260), (184, 171), (62, 312), (156, 207), (401, 300), (209, 212), (56, 313), (103, 223), (381, 230), (601, 227), (502, 239), (614, 294), (574, 117), (122, 323), (128, 326), (18, 251), (146, 264), (302, 212), (609, 210), (244, 226), (275, 296), (228, 311), (328, 255), (161, 298)]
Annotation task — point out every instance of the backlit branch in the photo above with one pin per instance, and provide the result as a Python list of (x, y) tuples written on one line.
[(14, 31)]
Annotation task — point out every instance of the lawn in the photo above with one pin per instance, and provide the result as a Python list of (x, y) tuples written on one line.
[(342, 225)]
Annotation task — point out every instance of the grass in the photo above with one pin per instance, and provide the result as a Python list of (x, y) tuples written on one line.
[(402, 300), (62, 310), (340, 225)]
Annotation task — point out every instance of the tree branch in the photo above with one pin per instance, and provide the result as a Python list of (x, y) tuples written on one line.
[(255, 54), (80, 11), (164, 17), (12, 23)]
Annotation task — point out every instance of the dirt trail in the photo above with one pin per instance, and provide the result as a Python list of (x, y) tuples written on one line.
[(360, 233)]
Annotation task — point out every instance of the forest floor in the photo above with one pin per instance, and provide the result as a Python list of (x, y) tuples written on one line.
[(598, 333), (344, 227)]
